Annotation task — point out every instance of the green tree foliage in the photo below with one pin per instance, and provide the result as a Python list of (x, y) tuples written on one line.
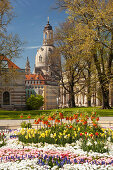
[(35, 102)]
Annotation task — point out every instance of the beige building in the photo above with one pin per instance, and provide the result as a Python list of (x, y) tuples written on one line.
[(12, 85), (41, 85), (51, 96)]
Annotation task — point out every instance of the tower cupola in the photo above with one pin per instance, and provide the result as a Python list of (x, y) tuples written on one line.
[(48, 34)]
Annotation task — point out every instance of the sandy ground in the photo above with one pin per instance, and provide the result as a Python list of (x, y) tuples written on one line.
[(14, 124)]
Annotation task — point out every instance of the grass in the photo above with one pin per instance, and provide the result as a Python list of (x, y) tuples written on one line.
[(34, 113)]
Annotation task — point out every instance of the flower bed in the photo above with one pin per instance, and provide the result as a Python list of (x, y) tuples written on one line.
[(62, 146), (43, 156)]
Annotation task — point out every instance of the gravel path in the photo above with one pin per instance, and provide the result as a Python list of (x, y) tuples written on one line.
[(104, 121)]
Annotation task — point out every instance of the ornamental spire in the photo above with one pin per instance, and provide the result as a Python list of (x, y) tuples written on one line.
[(27, 67), (48, 20)]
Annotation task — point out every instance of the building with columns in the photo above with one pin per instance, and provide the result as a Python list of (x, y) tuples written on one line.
[(81, 98)]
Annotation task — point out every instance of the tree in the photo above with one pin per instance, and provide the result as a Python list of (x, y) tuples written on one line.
[(6, 15), (93, 28), (10, 45), (73, 69), (35, 102)]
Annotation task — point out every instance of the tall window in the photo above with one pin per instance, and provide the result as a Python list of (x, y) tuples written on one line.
[(40, 58), (50, 36), (6, 98)]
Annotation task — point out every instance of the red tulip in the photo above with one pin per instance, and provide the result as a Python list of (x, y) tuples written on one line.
[(67, 118), (71, 118), (85, 122), (49, 125), (97, 118), (91, 135), (39, 120), (96, 134), (80, 134), (36, 122), (94, 124)]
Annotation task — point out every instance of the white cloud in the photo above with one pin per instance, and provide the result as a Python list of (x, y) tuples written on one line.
[(32, 47)]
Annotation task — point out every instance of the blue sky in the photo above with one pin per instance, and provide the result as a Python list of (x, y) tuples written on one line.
[(31, 17)]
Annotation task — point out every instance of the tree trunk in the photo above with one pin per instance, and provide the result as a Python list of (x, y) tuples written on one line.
[(72, 95), (72, 101), (105, 97), (71, 89), (104, 84), (89, 86)]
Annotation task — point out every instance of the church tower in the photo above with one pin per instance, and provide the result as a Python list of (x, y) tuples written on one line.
[(48, 35), (27, 67), (42, 56)]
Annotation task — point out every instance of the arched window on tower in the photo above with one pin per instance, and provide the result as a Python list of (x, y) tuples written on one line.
[(50, 36), (40, 58), (6, 98), (45, 35)]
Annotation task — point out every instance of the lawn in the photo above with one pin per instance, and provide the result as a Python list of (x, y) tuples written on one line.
[(34, 113)]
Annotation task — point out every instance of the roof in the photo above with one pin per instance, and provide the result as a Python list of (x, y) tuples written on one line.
[(9, 63), (33, 77), (48, 26)]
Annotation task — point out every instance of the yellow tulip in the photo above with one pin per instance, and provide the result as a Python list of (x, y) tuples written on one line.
[(78, 129), (29, 135), (26, 136), (33, 135), (54, 134), (68, 135), (75, 135)]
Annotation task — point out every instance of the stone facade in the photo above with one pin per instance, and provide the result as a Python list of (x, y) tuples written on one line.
[(12, 86), (38, 84)]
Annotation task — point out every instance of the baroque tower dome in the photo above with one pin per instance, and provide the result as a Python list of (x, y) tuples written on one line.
[(41, 59)]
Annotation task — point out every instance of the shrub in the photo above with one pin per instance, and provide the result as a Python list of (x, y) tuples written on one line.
[(35, 102)]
